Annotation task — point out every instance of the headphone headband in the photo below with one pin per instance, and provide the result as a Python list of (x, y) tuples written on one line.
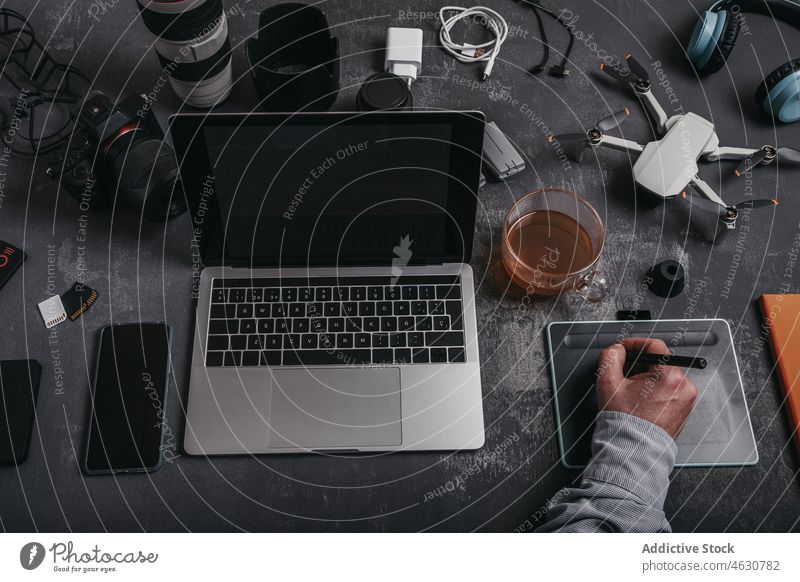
[(787, 11)]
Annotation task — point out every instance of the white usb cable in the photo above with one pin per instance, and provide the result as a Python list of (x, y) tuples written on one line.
[(468, 53)]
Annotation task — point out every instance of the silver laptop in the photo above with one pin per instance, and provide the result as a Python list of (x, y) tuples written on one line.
[(336, 309)]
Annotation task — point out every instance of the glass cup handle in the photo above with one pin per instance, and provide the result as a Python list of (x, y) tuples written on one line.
[(593, 287)]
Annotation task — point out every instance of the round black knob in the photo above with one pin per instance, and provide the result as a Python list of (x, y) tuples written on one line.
[(667, 278)]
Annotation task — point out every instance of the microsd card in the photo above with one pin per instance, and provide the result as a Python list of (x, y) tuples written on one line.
[(77, 299)]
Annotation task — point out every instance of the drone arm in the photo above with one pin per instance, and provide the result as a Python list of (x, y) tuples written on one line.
[(729, 153), (620, 144), (654, 108), (706, 191)]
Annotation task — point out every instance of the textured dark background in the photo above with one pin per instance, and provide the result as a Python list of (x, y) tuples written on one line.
[(144, 272)]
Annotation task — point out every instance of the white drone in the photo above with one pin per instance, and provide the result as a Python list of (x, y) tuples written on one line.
[(667, 166)]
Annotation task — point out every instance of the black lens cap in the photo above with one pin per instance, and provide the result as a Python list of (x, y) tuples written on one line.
[(384, 91), (667, 278)]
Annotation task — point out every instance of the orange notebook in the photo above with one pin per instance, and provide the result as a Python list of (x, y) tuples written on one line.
[(782, 317)]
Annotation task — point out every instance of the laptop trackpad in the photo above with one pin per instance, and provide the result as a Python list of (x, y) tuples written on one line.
[(317, 408)]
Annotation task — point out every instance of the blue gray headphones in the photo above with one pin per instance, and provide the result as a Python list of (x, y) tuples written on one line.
[(713, 39)]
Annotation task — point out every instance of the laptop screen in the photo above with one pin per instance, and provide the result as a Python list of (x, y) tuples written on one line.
[(330, 189)]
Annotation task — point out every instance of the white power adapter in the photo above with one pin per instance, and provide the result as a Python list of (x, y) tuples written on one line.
[(404, 52)]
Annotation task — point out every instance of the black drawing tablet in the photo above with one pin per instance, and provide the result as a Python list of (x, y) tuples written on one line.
[(718, 432), (19, 388)]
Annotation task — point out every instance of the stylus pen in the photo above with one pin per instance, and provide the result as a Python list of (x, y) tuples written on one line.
[(665, 360)]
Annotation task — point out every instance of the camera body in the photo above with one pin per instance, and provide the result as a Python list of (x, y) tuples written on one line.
[(119, 150)]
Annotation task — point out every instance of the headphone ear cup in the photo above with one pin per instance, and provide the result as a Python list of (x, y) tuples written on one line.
[(724, 45), (771, 81)]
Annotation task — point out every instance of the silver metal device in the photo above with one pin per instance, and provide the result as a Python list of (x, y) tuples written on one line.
[(334, 408)]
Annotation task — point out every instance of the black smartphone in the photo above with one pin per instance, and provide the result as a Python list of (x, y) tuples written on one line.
[(129, 399)]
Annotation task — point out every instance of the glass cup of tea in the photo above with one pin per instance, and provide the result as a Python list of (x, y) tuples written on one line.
[(552, 240)]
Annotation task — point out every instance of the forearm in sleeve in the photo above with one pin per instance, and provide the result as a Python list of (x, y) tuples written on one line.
[(624, 486)]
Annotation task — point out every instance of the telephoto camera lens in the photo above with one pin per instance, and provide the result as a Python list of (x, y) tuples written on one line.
[(193, 47)]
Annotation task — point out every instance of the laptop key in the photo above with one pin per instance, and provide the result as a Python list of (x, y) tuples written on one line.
[(416, 339), (273, 342), (217, 342), (384, 308), (214, 358), (402, 356), (223, 326), (405, 323), (344, 340), (289, 294), (448, 292), (305, 294), (291, 341), (319, 325), (419, 308), (331, 309), (322, 357), (441, 323), (375, 293), (380, 340), (314, 309), (424, 323), (262, 310), (278, 310), (265, 325), (444, 339), (456, 355), (282, 326), (419, 356), (427, 292), (308, 341), (436, 307), (383, 356), (297, 310), (218, 295), (272, 294), (255, 342), (271, 358), (301, 325), (401, 308), (250, 358), (223, 311), (336, 324), (238, 342), (392, 293), (397, 340), (341, 294), (438, 355), (363, 340), (350, 309), (233, 359), (388, 324), (255, 295), (236, 296), (358, 293), (323, 294), (365, 308), (353, 324), (409, 292), (247, 326), (244, 310), (372, 324)]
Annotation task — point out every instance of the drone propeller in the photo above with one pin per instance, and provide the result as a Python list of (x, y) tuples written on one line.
[(569, 138), (706, 205), (637, 68), (766, 155), (593, 136), (616, 73), (614, 120)]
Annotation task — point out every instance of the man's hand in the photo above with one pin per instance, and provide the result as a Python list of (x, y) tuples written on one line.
[(662, 395)]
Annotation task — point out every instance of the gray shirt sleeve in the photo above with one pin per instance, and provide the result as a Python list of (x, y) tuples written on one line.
[(624, 486)]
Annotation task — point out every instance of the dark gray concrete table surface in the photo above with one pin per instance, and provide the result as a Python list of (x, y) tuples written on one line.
[(144, 272)]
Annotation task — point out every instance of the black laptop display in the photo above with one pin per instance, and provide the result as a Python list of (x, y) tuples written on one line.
[(316, 189)]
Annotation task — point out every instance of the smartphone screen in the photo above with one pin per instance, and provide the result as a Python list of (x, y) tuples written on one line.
[(129, 398)]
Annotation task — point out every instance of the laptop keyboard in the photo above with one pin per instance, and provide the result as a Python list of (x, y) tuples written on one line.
[(335, 320)]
